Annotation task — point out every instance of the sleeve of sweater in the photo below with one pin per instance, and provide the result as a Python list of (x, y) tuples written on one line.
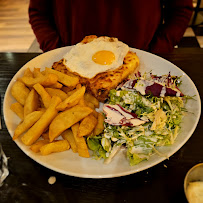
[(177, 15), (42, 22)]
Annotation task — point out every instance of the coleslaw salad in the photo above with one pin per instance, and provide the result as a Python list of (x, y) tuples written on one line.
[(143, 113)]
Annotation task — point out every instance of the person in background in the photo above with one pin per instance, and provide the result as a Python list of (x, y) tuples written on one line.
[(152, 25)]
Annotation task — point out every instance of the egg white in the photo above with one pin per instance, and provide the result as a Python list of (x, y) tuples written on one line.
[(79, 58)]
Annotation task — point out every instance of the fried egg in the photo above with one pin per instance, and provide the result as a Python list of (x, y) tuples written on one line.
[(100, 55)]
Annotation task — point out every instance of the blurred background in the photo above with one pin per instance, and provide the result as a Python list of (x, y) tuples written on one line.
[(16, 34)]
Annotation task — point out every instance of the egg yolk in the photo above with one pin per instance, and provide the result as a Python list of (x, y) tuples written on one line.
[(103, 57)]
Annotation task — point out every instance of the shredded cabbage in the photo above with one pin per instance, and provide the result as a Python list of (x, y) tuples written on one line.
[(164, 115)]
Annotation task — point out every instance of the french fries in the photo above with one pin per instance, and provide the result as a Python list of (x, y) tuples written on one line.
[(56, 85), (100, 124), (45, 136), (71, 92), (56, 92), (20, 92), (80, 142), (33, 134), (82, 102), (28, 121), (28, 73), (31, 102), (37, 73), (54, 106), (72, 100), (18, 109), (66, 119), (58, 146), (91, 99), (87, 125), (67, 89), (45, 80), (63, 78), (37, 145), (46, 98), (90, 104), (68, 135)]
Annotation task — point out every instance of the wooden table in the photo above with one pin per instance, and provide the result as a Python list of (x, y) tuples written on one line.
[(28, 181)]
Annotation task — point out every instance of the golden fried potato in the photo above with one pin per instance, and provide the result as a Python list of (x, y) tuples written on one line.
[(18, 109), (68, 135), (67, 89), (38, 128), (87, 125), (100, 124), (20, 92), (90, 98), (28, 73), (71, 92), (28, 121), (95, 114), (46, 98), (89, 104), (78, 86), (82, 102), (72, 100), (43, 72), (66, 119), (57, 146), (80, 142), (63, 78), (37, 145), (56, 86), (31, 103), (56, 92), (45, 135), (45, 80), (41, 109), (37, 73)]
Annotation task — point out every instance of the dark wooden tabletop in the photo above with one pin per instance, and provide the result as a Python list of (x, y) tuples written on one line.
[(28, 180)]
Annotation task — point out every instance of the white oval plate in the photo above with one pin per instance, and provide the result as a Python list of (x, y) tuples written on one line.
[(70, 163)]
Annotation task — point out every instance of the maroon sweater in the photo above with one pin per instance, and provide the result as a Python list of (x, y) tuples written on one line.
[(58, 23)]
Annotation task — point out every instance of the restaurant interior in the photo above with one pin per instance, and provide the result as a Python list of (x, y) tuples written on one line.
[(15, 28)]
